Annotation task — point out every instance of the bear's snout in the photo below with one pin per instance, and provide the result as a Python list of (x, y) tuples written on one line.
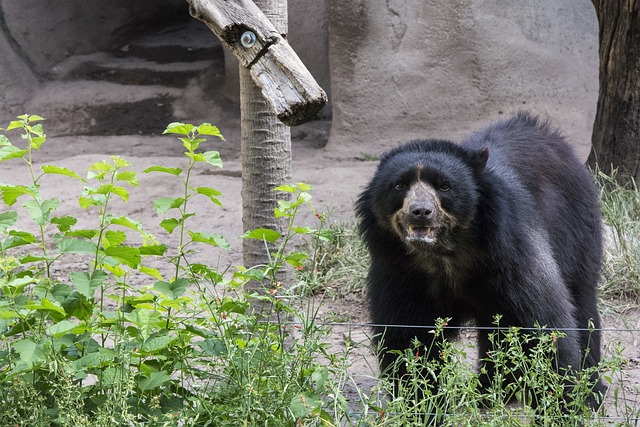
[(420, 211), (420, 206)]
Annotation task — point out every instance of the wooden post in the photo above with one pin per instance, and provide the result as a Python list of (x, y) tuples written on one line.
[(256, 36), (275, 88), (266, 154)]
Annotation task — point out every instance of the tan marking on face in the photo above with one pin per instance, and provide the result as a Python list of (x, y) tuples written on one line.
[(419, 190)]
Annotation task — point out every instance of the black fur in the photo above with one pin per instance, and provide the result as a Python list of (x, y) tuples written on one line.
[(507, 222)]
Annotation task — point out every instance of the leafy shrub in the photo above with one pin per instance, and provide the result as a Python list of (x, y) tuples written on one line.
[(187, 346)]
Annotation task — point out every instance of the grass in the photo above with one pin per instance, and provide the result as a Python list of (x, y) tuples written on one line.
[(338, 264), (621, 214)]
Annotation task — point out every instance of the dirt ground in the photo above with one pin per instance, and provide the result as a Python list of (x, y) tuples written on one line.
[(336, 185)]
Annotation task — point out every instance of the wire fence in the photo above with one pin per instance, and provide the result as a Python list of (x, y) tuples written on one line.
[(465, 327)]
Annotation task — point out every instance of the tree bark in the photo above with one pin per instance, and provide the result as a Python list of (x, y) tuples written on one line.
[(616, 131), (266, 153)]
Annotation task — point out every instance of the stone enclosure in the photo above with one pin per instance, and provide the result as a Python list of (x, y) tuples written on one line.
[(393, 69)]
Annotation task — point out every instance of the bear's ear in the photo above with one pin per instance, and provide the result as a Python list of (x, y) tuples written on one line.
[(384, 155), (479, 159)]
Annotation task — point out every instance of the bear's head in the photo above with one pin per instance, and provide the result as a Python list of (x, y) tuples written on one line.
[(425, 191)]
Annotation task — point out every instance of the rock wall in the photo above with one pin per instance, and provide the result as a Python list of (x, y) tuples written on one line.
[(408, 69), (394, 69), (48, 33)]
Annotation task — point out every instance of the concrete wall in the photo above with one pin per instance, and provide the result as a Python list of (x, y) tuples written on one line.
[(48, 31), (408, 69), (16, 81), (394, 69)]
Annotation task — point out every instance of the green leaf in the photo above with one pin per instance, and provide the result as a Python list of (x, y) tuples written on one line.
[(147, 321), (61, 328), (101, 167), (18, 238), (172, 171), (153, 345), (155, 379), (153, 250), (179, 128), (210, 193), (213, 347), (60, 292), (58, 170), (305, 403), (87, 202), (30, 352), (37, 141), (86, 234), (68, 245), (7, 314), (114, 189), (150, 271), (169, 224), (120, 162), (191, 144), (173, 289), (125, 254), (40, 212), (286, 188), (303, 230), (46, 305), (30, 258), (210, 239), (7, 219), (11, 152), (209, 129), (18, 284), (4, 141), (35, 118), (270, 236), (129, 177), (113, 238), (15, 124), (213, 158), (64, 223), (94, 359), (295, 258), (303, 186), (87, 284), (10, 193), (125, 222), (196, 157), (76, 304), (164, 204)]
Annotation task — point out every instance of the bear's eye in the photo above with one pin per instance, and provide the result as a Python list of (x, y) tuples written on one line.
[(444, 186), (400, 186)]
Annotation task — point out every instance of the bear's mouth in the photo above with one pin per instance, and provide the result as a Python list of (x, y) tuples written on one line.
[(421, 234)]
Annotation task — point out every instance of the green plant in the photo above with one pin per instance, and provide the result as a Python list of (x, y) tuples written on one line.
[(524, 387), (102, 343)]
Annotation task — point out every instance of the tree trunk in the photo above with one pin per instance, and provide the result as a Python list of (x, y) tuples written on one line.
[(266, 153), (616, 131)]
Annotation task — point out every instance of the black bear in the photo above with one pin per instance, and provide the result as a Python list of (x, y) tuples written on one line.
[(507, 223)]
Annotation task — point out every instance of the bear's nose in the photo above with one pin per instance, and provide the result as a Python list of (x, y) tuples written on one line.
[(420, 211)]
